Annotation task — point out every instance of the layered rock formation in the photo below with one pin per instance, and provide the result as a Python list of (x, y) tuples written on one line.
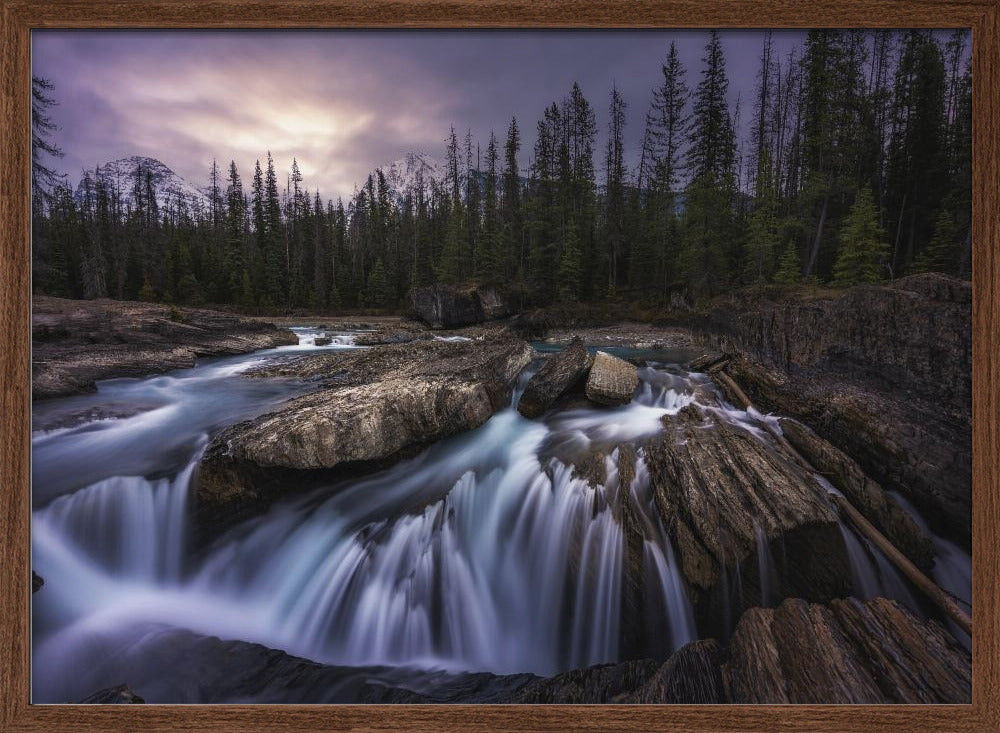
[(882, 372), (77, 342), (727, 497)]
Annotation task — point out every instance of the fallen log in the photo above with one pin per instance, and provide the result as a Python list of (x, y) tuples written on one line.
[(929, 588)]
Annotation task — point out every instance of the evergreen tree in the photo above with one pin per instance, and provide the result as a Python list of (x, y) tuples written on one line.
[(916, 163), (864, 254), (570, 266), (43, 178), (614, 191), (511, 214), (763, 236), (272, 241), (235, 229), (789, 266), (712, 148), (490, 259), (378, 289), (940, 254), (659, 174), (708, 224)]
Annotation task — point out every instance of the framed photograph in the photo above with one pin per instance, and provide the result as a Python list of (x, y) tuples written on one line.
[(499, 366)]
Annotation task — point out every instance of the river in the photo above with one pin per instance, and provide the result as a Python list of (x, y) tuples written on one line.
[(485, 553)]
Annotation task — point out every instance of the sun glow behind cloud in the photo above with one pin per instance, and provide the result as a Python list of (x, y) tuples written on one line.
[(341, 103)]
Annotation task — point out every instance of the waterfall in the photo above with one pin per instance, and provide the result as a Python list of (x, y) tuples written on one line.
[(129, 525)]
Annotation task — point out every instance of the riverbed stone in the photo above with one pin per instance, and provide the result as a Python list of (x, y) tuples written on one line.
[(612, 381), (560, 373)]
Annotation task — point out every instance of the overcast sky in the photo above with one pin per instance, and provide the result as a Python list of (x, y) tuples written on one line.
[(344, 102)]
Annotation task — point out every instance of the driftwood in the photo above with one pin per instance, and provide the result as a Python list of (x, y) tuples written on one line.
[(941, 599), (930, 589)]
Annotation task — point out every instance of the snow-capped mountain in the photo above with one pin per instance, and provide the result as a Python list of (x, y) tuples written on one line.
[(402, 174), (170, 187)]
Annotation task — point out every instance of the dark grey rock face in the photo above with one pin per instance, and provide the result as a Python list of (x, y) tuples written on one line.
[(912, 336), (882, 372), (443, 306)]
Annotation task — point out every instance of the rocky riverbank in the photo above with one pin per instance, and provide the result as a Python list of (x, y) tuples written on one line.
[(846, 652), (881, 372), (75, 343)]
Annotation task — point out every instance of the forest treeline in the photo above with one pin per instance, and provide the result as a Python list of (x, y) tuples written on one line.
[(854, 168)]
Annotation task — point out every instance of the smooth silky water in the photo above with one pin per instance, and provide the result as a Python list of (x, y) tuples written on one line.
[(483, 553)]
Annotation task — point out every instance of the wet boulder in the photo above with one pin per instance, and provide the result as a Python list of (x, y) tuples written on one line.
[(557, 375), (322, 341), (372, 408), (612, 381)]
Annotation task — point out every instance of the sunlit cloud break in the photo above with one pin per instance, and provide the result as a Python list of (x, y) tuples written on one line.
[(340, 102)]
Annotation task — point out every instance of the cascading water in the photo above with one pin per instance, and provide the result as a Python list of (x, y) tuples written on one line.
[(766, 571), (487, 552)]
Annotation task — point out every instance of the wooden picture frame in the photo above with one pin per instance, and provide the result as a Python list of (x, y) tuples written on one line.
[(19, 17)]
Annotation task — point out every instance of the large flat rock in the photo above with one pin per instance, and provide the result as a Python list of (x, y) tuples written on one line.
[(372, 408)]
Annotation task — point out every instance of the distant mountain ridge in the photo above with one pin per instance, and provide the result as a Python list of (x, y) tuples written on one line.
[(403, 173), (170, 187)]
